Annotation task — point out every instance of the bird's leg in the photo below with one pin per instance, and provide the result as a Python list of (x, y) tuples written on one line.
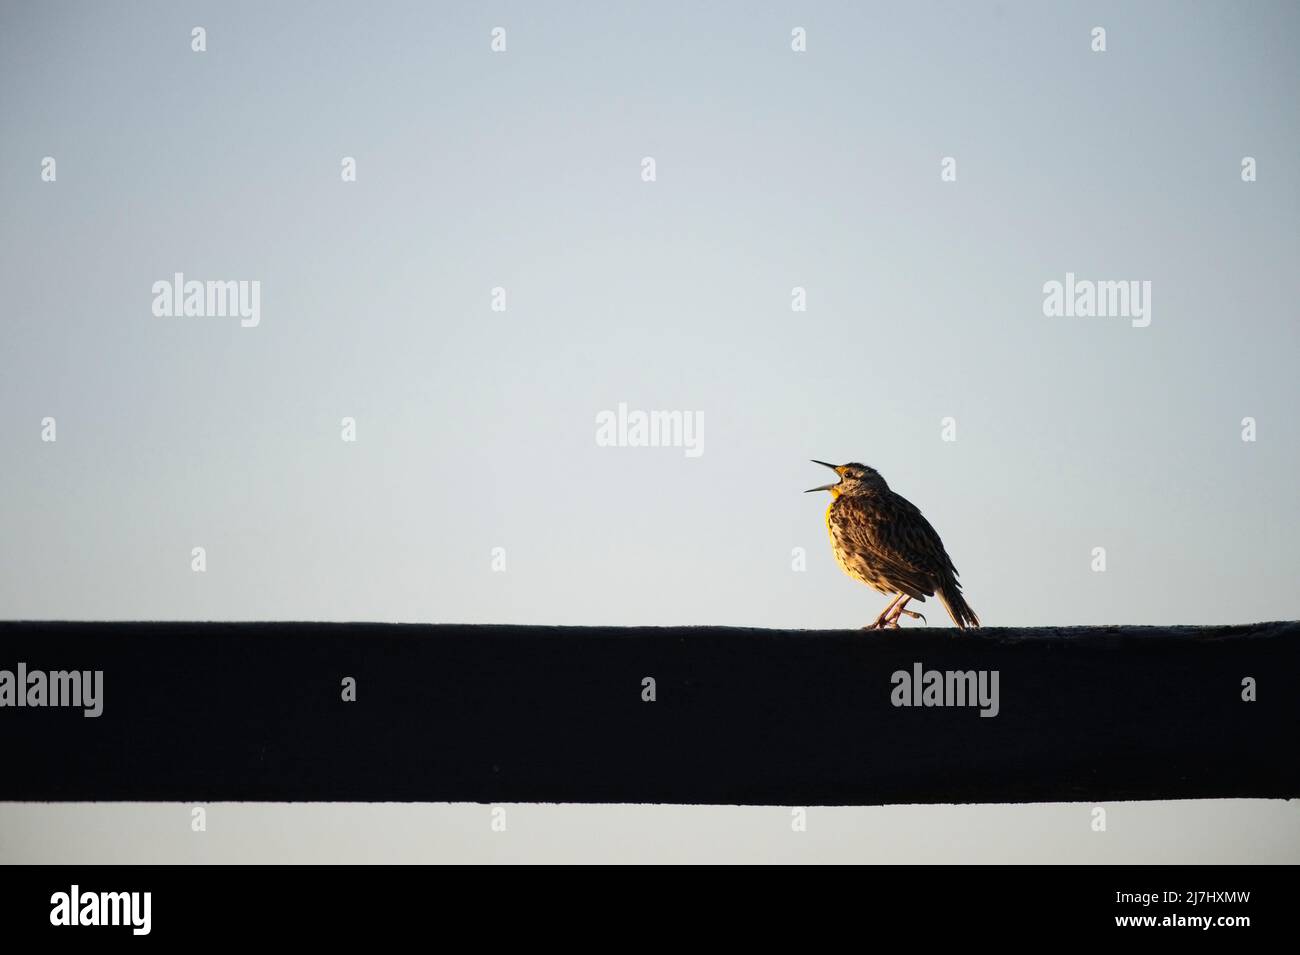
[(896, 610), (916, 616), (901, 609), (883, 619)]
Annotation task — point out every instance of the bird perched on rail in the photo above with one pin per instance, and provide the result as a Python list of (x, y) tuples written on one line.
[(883, 540)]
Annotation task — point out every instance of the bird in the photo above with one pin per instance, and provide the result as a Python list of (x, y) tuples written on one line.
[(882, 539)]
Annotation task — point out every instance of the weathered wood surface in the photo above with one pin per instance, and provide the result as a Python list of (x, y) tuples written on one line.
[(214, 711)]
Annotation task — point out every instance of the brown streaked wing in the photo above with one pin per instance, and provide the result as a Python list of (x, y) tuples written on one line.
[(887, 536)]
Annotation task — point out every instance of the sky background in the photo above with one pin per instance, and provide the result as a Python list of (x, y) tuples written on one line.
[(476, 429)]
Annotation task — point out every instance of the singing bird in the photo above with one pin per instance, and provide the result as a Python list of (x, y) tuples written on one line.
[(883, 540)]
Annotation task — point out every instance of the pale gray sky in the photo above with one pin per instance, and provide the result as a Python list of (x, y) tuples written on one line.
[(523, 170)]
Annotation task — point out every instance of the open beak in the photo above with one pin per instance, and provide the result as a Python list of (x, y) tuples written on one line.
[(824, 487)]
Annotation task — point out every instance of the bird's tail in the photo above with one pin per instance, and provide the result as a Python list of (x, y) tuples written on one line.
[(956, 605)]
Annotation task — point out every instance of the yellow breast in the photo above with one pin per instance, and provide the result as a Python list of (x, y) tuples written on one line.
[(834, 495)]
